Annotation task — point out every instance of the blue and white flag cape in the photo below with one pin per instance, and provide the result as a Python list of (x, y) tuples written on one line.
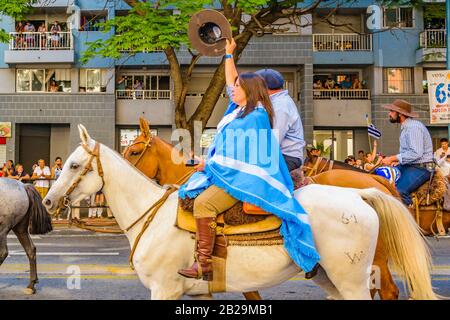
[(246, 161)]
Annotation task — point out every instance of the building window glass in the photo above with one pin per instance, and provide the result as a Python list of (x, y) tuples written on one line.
[(89, 20), (398, 17), (334, 144), (398, 80), (43, 80), (93, 80)]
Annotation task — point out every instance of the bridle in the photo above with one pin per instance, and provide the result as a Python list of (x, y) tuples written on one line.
[(315, 169), (147, 144), (94, 154)]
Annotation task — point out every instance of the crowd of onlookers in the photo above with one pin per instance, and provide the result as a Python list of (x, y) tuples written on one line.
[(330, 83), (42, 176), (25, 39)]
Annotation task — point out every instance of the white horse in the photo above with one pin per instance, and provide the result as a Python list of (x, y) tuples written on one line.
[(345, 229)]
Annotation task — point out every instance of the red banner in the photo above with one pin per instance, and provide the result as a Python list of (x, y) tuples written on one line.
[(2, 140)]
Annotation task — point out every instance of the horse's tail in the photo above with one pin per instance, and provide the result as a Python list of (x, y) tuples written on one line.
[(405, 244), (40, 220), (385, 182)]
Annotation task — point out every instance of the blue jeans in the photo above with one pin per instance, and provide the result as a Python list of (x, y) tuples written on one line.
[(410, 180)]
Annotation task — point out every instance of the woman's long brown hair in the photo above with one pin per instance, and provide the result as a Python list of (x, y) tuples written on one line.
[(255, 89)]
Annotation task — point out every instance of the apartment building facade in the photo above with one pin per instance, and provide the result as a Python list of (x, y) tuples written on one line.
[(45, 91)]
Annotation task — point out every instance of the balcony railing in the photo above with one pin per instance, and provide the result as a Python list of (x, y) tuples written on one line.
[(342, 94), (40, 41), (433, 38), (129, 94), (342, 42)]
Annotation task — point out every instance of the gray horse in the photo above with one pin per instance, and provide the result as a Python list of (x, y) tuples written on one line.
[(21, 210)]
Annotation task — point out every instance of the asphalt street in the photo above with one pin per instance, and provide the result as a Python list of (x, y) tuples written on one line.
[(101, 262)]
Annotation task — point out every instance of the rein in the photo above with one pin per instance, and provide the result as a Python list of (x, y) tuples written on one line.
[(315, 169)]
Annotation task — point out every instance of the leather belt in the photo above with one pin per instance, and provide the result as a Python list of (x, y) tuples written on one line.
[(425, 165)]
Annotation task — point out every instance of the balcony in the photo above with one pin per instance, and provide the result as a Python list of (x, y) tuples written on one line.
[(40, 47), (341, 107), (342, 94), (432, 46), (129, 94), (345, 48), (342, 42), (155, 105)]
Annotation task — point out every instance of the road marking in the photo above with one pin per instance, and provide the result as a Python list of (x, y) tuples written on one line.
[(68, 253)]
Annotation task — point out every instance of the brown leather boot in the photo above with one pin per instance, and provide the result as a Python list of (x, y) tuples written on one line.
[(206, 234)]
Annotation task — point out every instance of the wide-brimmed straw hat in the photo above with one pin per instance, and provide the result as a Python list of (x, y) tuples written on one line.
[(403, 107)]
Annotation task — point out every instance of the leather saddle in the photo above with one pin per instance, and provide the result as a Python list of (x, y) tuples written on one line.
[(436, 190), (236, 221)]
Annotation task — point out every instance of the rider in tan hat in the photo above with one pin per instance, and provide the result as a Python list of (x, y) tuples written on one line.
[(415, 158)]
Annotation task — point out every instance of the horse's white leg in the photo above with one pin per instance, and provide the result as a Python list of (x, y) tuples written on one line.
[(322, 280), (160, 292)]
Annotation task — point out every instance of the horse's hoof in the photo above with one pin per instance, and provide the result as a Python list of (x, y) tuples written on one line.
[(29, 291)]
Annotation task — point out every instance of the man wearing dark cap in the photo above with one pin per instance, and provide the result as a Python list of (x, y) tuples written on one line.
[(416, 150), (287, 119)]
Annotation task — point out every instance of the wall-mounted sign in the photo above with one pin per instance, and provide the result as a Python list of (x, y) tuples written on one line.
[(439, 95), (5, 129), (374, 20)]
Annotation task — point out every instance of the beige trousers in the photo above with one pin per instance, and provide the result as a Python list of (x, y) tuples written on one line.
[(212, 201)]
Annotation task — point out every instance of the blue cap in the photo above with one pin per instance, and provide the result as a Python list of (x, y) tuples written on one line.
[(273, 78)]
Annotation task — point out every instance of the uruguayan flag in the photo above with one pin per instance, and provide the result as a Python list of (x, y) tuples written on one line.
[(373, 131)]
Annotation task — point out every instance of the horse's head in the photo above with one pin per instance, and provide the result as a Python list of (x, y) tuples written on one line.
[(82, 174), (142, 153)]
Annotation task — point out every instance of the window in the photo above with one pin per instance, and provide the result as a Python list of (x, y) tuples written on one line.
[(398, 17), (93, 80), (398, 80), (334, 144), (89, 20), (43, 80)]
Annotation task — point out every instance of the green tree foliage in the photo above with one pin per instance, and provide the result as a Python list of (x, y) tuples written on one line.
[(16, 9)]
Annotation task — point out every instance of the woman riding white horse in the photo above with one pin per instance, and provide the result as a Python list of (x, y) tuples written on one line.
[(245, 164), (344, 226)]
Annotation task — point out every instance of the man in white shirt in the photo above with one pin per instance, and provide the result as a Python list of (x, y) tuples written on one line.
[(444, 165), (42, 174), (443, 151)]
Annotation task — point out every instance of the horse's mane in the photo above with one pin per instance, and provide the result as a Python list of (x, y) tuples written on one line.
[(349, 167)]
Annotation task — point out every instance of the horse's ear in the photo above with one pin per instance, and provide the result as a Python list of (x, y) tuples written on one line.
[(84, 135), (308, 153), (145, 127)]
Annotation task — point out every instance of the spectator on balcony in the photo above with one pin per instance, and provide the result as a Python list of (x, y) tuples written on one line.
[(317, 84), (29, 38), (347, 83), (53, 86), (55, 30), (138, 89), (19, 39), (43, 37), (330, 83), (357, 84)]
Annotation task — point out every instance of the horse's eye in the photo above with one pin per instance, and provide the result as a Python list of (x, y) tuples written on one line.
[(135, 153), (74, 166)]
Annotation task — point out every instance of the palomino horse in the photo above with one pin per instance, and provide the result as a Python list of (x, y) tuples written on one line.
[(21, 210), (318, 165), (159, 160), (346, 247)]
